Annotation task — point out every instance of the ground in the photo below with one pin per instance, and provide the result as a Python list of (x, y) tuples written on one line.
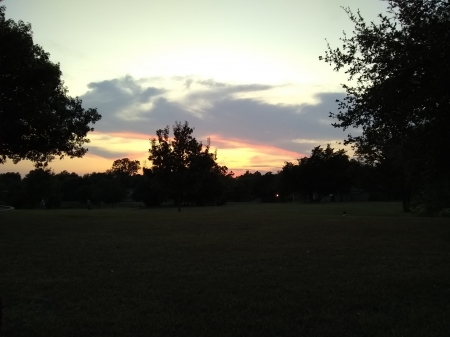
[(235, 270)]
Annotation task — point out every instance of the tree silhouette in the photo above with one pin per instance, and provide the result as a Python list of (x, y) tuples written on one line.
[(38, 120), (125, 170), (398, 94), (186, 167), (125, 167), (324, 172)]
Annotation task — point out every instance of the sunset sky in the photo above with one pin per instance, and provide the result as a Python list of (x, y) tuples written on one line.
[(245, 73)]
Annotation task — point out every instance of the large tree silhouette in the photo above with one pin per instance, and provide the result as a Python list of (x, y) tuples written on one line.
[(38, 120), (399, 75)]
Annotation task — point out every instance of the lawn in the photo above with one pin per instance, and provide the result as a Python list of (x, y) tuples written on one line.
[(235, 270)]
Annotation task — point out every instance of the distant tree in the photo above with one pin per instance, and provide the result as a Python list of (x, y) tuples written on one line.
[(324, 172), (109, 191), (150, 189), (125, 167), (10, 184), (101, 187), (243, 187), (41, 184), (38, 120), (83, 193), (270, 187), (255, 186), (208, 178), (69, 184), (290, 179), (125, 170), (398, 91), (182, 162), (9, 178)]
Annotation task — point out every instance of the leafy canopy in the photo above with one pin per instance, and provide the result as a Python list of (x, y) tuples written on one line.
[(398, 90), (125, 167), (399, 78), (38, 120), (182, 164), (324, 172)]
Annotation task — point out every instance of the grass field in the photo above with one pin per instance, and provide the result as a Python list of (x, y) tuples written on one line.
[(235, 270)]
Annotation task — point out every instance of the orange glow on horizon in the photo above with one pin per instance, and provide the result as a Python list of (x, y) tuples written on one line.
[(239, 155), (230, 143)]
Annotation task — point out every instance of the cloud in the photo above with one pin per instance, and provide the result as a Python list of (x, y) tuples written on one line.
[(211, 83), (119, 99), (118, 145), (215, 109), (104, 153), (225, 88), (188, 82)]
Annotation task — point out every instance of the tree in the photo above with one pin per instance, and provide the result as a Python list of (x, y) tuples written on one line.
[(182, 164), (126, 167), (321, 174), (109, 191), (38, 120), (399, 93), (10, 182), (252, 186), (100, 187), (69, 182), (291, 180), (150, 189), (41, 184), (124, 170), (208, 179)]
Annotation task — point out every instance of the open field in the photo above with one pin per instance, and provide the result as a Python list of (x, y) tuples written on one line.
[(236, 270)]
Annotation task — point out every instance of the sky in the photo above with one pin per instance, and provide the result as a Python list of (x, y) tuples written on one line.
[(244, 73)]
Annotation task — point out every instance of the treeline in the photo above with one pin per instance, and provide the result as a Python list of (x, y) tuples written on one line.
[(325, 175), (185, 172), (43, 188)]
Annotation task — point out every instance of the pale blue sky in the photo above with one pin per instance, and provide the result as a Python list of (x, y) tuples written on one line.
[(239, 71)]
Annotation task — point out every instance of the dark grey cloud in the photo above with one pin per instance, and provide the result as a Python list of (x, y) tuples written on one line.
[(276, 125), (114, 95), (107, 154), (222, 112), (148, 93), (165, 112)]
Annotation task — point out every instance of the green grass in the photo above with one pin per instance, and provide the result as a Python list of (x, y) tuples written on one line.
[(236, 270)]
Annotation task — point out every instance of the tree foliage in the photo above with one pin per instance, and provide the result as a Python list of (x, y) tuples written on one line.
[(255, 187), (125, 167), (38, 120), (324, 172), (150, 189), (40, 184), (185, 167), (125, 170), (398, 93)]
